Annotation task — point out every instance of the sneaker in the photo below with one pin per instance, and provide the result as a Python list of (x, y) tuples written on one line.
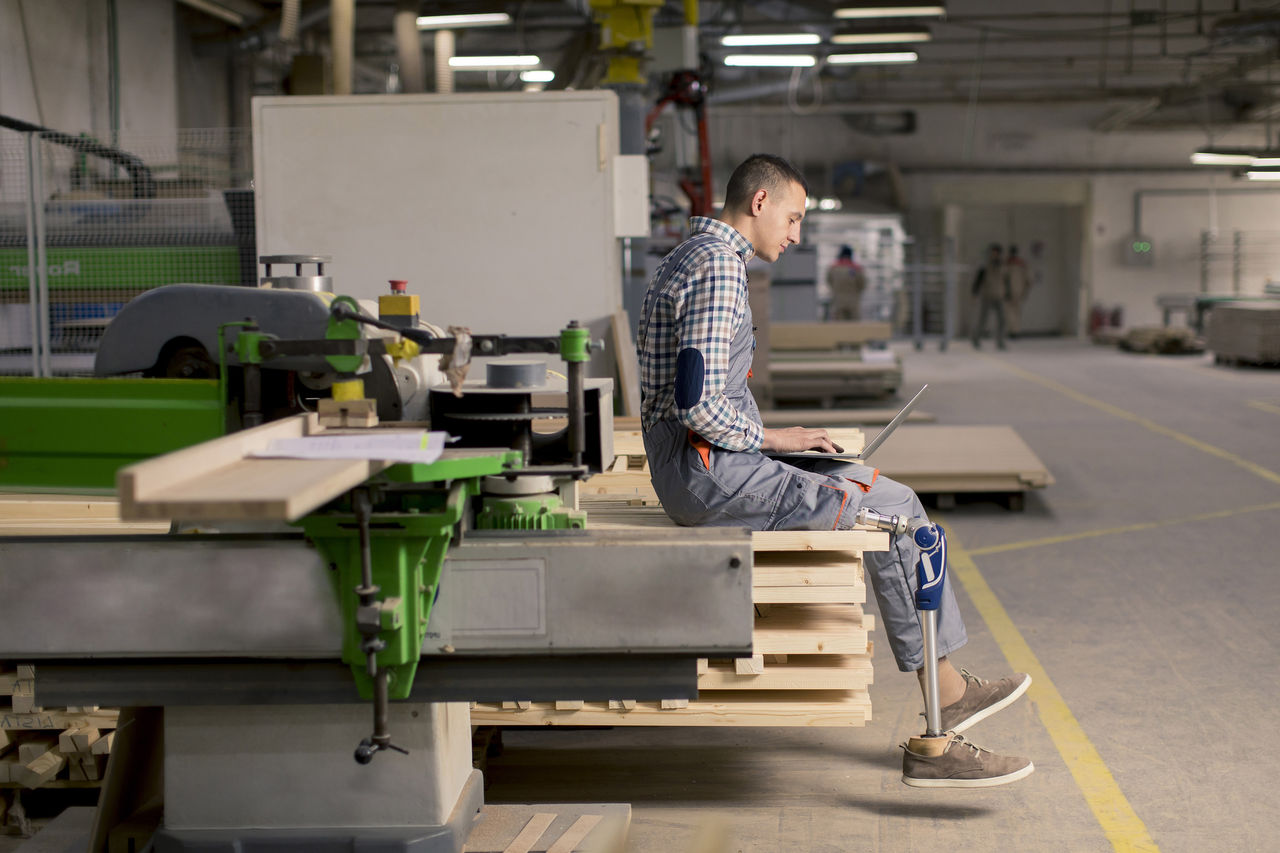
[(981, 699), (962, 765)]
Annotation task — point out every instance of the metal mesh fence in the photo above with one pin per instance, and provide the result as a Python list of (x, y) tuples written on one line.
[(84, 228)]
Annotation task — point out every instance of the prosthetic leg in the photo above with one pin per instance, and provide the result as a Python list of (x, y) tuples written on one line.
[(931, 574)]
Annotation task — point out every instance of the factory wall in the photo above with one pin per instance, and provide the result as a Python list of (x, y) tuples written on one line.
[(56, 69), (1005, 156)]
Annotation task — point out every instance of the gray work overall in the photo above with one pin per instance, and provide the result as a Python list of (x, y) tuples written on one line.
[(701, 484)]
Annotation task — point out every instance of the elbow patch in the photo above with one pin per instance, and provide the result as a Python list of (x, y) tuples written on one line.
[(689, 376)]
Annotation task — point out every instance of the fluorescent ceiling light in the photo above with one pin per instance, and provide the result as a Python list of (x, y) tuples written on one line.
[(1264, 160), (450, 22), (1225, 158), (767, 60), (871, 58), (747, 40), (891, 11), (537, 75), (491, 63), (1263, 176), (897, 35)]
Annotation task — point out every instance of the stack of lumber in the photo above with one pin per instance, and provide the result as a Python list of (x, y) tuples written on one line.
[(67, 515), (827, 361), (1245, 332), (811, 663), (40, 747)]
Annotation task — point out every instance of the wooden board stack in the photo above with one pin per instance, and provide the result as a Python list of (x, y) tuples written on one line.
[(42, 747), (1245, 333), (812, 653), (827, 361)]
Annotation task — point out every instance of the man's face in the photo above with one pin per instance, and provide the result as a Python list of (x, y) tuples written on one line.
[(778, 217), (994, 256)]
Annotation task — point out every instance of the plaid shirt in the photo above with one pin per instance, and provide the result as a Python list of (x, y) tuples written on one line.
[(697, 299)]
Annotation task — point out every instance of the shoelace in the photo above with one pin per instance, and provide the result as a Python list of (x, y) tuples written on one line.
[(969, 678)]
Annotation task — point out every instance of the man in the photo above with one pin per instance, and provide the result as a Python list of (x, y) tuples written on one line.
[(990, 287), (1017, 282), (847, 281), (705, 442)]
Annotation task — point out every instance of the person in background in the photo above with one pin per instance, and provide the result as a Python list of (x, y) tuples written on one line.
[(1017, 282), (847, 281), (989, 286)]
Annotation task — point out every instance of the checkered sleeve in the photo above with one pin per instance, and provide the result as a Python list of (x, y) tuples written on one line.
[(713, 305)]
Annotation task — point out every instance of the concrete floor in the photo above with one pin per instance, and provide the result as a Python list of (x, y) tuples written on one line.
[(1150, 615), (1152, 612)]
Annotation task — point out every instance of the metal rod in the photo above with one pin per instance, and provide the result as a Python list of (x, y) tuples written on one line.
[(577, 415), (932, 704), (33, 287)]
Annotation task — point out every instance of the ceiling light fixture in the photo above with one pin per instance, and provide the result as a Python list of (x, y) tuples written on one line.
[(491, 63), (769, 60), (454, 22), (890, 10), (537, 75), (885, 35), (1263, 176), (894, 58), (770, 40), (1225, 157)]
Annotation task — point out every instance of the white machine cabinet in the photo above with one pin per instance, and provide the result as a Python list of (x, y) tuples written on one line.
[(501, 210)]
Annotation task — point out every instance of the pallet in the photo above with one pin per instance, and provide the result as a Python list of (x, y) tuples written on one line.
[(812, 651), (947, 460)]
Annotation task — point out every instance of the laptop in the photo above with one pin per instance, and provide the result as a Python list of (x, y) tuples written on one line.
[(872, 445)]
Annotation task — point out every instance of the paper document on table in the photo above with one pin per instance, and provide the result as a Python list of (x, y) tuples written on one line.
[(387, 445)]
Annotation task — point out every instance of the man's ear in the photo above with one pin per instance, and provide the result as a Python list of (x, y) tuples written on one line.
[(757, 202)]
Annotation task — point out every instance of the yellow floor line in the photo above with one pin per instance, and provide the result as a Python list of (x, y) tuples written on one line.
[(1111, 531), (1205, 447), (1264, 406), (1121, 824)]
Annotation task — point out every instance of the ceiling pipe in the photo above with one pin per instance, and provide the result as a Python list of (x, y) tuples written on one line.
[(342, 33), (409, 47)]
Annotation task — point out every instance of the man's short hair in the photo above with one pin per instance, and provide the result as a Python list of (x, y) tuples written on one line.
[(760, 172)]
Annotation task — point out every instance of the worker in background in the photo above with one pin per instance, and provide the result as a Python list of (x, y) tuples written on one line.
[(847, 281), (1017, 283), (990, 288), (707, 448)]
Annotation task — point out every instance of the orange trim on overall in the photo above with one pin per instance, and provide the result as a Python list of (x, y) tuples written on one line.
[(866, 487), (750, 373), (843, 503), (703, 447)]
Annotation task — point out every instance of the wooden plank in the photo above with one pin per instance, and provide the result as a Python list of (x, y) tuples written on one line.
[(847, 369), (815, 629), (37, 772), (803, 672), (58, 720), (838, 417), (753, 665), (102, 746), (220, 480), (962, 459), (24, 696), (607, 515), (806, 568), (791, 336), (624, 352), (853, 594), (819, 708)]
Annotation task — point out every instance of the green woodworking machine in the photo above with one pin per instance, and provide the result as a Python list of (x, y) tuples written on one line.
[(290, 594)]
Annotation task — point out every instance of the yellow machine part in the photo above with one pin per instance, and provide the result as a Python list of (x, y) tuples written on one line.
[(352, 389), (624, 23)]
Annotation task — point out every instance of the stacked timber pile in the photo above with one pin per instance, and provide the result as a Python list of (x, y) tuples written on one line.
[(1162, 340), (44, 747), (827, 361), (811, 662), (1245, 332)]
